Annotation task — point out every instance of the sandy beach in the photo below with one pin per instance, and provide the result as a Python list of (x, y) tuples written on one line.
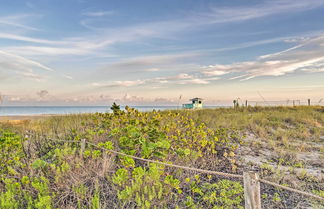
[(23, 117)]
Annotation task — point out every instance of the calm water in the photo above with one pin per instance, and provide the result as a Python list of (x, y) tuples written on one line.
[(40, 110)]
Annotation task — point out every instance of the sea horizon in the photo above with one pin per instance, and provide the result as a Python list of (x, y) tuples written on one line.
[(78, 109)]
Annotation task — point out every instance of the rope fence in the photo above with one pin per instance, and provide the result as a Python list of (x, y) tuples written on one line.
[(251, 179), (171, 165), (292, 190), (289, 102)]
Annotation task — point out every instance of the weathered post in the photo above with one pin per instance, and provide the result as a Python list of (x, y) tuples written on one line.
[(26, 147), (246, 103), (294, 103), (83, 143), (105, 164), (308, 102), (252, 194)]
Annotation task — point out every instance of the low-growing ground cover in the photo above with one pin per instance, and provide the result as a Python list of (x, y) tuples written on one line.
[(37, 171)]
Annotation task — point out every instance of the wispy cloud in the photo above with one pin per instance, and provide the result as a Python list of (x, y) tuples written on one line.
[(192, 21), (81, 46), (138, 100), (119, 83), (46, 51), (307, 55), (215, 70), (21, 62), (218, 15), (152, 69), (16, 37), (11, 63), (259, 10), (193, 81), (98, 13), (24, 67), (150, 63), (107, 36), (18, 21), (179, 79), (84, 45), (66, 76), (100, 39)]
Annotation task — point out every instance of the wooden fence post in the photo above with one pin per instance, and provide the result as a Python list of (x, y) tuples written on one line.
[(26, 146), (308, 102), (246, 103), (252, 194), (83, 143), (105, 163)]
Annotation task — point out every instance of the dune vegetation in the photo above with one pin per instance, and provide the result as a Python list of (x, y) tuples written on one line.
[(284, 144)]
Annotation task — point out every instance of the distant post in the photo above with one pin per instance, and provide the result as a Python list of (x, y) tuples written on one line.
[(309, 102), (252, 194), (246, 103)]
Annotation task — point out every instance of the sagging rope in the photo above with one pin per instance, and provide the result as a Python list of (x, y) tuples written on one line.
[(201, 170), (292, 190)]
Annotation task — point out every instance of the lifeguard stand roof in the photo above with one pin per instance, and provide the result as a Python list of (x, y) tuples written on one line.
[(196, 99)]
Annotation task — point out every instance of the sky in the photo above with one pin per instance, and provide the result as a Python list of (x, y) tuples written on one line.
[(144, 52)]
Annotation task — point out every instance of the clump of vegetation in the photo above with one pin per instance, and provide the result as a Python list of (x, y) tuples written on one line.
[(41, 172), (37, 170)]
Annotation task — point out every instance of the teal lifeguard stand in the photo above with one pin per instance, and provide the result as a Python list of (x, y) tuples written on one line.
[(196, 103)]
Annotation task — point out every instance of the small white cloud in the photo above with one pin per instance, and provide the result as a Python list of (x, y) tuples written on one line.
[(214, 72), (31, 75), (119, 83), (67, 76), (163, 81), (14, 99), (152, 70), (129, 83), (193, 81), (183, 76)]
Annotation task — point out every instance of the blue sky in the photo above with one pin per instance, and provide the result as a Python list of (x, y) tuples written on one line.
[(91, 52)]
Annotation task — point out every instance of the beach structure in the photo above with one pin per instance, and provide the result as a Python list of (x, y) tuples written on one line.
[(196, 103)]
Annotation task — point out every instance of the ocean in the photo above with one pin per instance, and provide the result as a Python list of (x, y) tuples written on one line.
[(49, 110)]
